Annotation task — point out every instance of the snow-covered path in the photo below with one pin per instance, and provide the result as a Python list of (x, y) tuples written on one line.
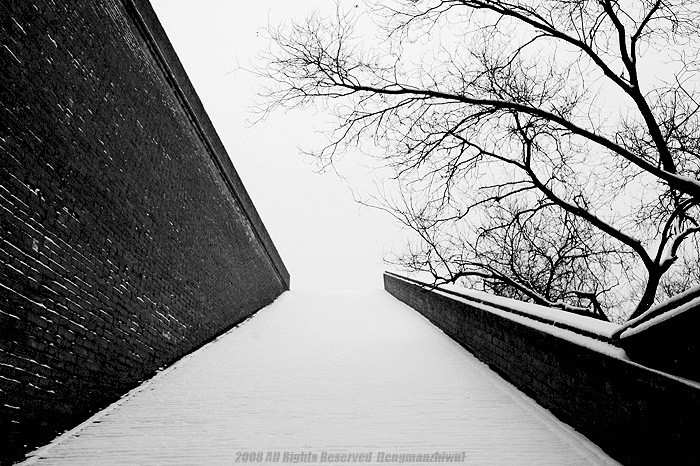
[(354, 372)]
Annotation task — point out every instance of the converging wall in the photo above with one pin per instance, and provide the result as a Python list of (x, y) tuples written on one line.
[(127, 239), (637, 414)]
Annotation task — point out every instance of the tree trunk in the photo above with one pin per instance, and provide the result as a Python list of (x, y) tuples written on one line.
[(648, 296)]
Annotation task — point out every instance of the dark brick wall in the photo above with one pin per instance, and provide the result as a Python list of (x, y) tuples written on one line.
[(126, 238), (637, 415)]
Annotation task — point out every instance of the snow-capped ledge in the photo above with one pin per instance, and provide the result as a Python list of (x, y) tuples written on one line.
[(666, 336)]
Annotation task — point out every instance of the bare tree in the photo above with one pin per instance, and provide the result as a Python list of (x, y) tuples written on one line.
[(540, 254), (536, 151)]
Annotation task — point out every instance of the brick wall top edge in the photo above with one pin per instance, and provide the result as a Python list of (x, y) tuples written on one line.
[(580, 324), (604, 348), (164, 52)]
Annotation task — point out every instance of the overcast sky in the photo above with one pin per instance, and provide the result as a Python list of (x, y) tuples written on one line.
[(325, 238)]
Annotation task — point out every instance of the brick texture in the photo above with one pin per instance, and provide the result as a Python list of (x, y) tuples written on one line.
[(126, 237), (637, 415)]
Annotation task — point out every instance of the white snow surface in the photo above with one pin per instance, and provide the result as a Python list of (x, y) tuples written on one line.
[(351, 372), (589, 324), (594, 344)]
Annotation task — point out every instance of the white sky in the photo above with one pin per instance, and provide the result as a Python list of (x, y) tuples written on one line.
[(326, 240)]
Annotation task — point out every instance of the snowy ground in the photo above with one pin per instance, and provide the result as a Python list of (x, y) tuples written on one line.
[(318, 373)]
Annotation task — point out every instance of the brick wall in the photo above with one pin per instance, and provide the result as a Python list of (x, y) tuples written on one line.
[(126, 238), (637, 415)]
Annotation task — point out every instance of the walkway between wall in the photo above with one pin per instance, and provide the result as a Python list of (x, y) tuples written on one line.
[(320, 374)]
